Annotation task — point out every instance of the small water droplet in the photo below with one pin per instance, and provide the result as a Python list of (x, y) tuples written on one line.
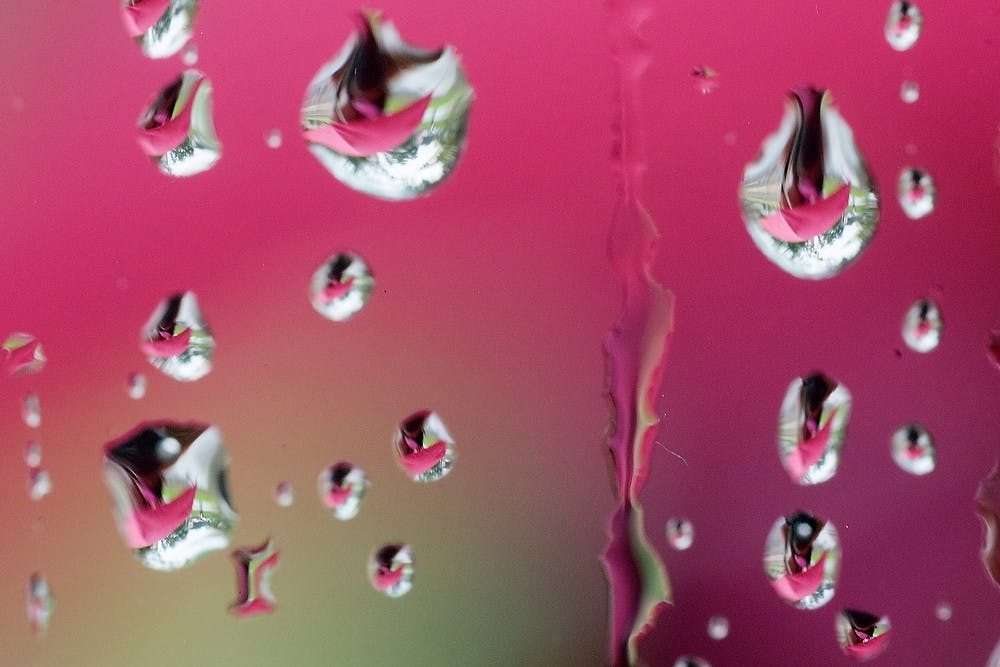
[(190, 55), (169, 482), (811, 427), (33, 454), (910, 149), (135, 385), (160, 29), (691, 661), (913, 449), (916, 193), (177, 131), (254, 567), (705, 79), (718, 627), (341, 286), (943, 611), (390, 569), (909, 92), (31, 411), (342, 487), (273, 138), (922, 326), (386, 118), (22, 354), (424, 448), (902, 26), (802, 560), (861, 635), (177, 340), (680, 533), (39, 483), (808, 201), (988, 508), (993, 348), (39, 603), (284, 494)]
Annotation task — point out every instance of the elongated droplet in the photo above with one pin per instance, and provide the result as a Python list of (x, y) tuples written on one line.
[(341, 286), (33, 454), (909, 92), (988, 507), (390, 569), (807, 200), (902, 26), (680, 534), (386, 118), (22, 354), (913, 449), (922, 326), (718, 627), (31, 410), (254, 566), (916, 193), (170, 485), (811, 428), (424, 448), (177, 340), (284, 494), (39, 603), (39, 483), (802, 560), (342, 487), (706, 79), (160, 27), (135, 385), (861, 635), (177, 131)]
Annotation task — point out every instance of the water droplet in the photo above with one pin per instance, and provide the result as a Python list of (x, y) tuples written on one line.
[(386, 118), (254, 567), (807, 200), (177, 340), (943, 611), (902, 27), (811, 428), (340, 287), (922, 326), (802, 560), (33, 454), (284, 494), (170, 485), (705, 79), (31, 411), (160, 28), (342, 487), (22, 354), (909, 92), (190, 55), (718, 627), (39, 483), (988, 508), (916, 193), (390, 569), (691, 661), (136, 385), (993, 348), (913, 449), (273, 138), (424, 448), (39, 603), (861, 635), (176, 131), (680, 533)]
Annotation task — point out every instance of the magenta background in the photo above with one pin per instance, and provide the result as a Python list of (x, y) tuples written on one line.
[(493, 297)]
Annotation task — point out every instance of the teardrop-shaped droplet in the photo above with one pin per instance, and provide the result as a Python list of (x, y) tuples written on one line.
[(341, 286), (680, 533), (807, 200), (902, 26), (31, 410), (705, 79), (922, 326), (811, 427), (160, 27), (284, 494), (862, 635), (390, 569), (424, 448), (39, 483), (913, 449), (39, 603), (177, 131), (909, 92), (386, 118), (342, 487), (22, 354), (177, 340), (135, 385), (802, 560), (916, 193)]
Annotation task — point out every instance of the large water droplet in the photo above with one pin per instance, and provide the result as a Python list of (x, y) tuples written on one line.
[(718, 627), (861, 635), (913, 449), (811, 427), (916, 193), (680, 533), (340, 287), (176, 131), (135, 385), (424, 447), (390, 569), (902, 26), (387, 118), (284, 494), (22, 354), (31, 410), (160, 27), (33, 454), (802, 559), (254, 566), (691, 661), (39, 483), (342, 487), (922, 326), (177, 340), (39, 603), (170, 485), (909, 92), (807, 200), (705, 79), (988, 507)]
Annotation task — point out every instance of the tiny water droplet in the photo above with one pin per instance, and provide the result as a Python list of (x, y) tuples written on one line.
[(862, 635), (943, 611), (160, 28), (922, 326), (909, 92), (705, 79), (910, 149), (33, 454), (273, 138), (802, 560), (913, 449), (718, 627), (254, 567), (22, 354), (135, 385), (39, 483), (342, 487), (680, 533), (177, 340), (284, 494), (177, 131), (39, 603), (916, 192), (341, 286), (424, 448), (190, 55), (390, 569), (993, 348), (31, 410), (691, 661), (902, 26), (811, 427)]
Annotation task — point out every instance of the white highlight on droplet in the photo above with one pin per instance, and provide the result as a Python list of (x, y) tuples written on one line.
[(273, 138), (943, 611), (718, 627)]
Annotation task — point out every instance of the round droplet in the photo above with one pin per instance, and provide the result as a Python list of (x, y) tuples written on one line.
[(807, 200), (913, 449), (386, 118), (190, 55), (424, 448), (341, 286), (943, 611), (39, 483), (909, 92), (39, 603), (160, 27), (705, 79), (680, 533), (177, 340), (718, 627), (284, 494), (273, 138), (22, 354), (811, 427), (691, 661), (390, 569), (916, 193), (176, 131), (33, 454), (31, 410), (135, 385), (902, 26), (342, 487), (922, 326), (802, 560), (862, 635)]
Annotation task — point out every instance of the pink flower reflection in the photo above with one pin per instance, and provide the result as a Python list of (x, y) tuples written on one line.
[(254, 566), (371, 134), (166, 127), (141, 15), (167, 345)]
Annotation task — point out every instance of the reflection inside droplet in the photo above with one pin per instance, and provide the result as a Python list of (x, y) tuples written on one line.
[(254, 566), (177, 131), (22, 354), (342, 487), (988, 508), (811, 427), (135, 385), (802, 559), (31, 410), (922, 326), (284, 494), (902, 26), (39, 483), (390, 569), (424, 448), (38, 603), (160, 27), (913, 449), (916, 193), (177, 340), (705, 79), (341, 286), (680, 533), (861, 635)]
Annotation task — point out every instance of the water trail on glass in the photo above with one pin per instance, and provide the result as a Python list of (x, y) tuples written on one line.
[(635, 349)]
